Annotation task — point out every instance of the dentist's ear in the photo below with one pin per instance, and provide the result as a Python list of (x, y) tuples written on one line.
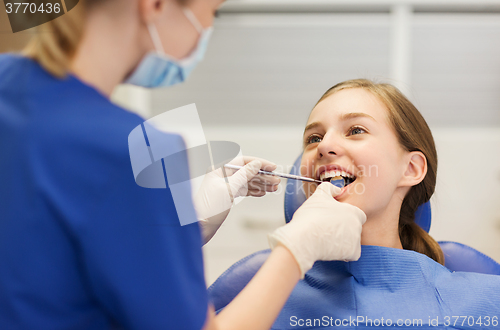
[(416, 169), (150, 10)]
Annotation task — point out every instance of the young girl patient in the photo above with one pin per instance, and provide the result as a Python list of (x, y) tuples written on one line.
[(371, 135)]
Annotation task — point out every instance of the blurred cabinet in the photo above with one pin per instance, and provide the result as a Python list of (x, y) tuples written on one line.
[(456, 69), (271, 69)]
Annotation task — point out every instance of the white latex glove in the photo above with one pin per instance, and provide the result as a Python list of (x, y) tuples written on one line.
[(215, 197), (322, 229)]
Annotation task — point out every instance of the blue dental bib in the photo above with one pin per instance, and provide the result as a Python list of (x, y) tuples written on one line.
[(386, 287)]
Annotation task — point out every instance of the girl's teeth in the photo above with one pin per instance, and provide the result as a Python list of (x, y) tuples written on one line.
[(331, 174)]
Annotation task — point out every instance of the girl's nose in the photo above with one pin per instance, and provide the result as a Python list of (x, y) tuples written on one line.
[(329, 146)]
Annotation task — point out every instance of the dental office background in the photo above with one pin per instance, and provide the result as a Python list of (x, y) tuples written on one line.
[(269, 61)]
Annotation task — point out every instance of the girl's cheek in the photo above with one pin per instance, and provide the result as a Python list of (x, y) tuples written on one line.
[(305, 168)]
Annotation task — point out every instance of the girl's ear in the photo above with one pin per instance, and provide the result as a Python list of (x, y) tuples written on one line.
[(416, 169)]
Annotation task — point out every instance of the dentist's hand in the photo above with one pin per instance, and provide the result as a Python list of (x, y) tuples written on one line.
[(322, 229), (215, 197)]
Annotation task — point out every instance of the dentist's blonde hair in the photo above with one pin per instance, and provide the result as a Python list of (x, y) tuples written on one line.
[(413, 134), (55, 42)]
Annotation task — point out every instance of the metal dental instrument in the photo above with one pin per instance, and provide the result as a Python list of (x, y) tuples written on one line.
[(334, 181)]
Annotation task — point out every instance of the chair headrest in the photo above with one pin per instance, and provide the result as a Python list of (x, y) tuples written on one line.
[(462, 258), (294, 197)]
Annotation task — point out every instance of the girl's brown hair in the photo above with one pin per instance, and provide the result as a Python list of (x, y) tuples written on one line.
[(56, 42), (413, 135)]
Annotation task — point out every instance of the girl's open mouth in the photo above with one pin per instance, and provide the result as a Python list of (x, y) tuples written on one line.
[(328, 175)]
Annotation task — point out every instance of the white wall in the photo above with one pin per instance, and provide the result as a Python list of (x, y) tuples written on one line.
[(466, 205)]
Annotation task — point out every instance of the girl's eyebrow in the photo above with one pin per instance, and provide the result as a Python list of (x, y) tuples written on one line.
[(352, 115), (311, 126), (344, 117)]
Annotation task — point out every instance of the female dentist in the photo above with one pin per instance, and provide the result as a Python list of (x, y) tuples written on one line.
[(82, 246)]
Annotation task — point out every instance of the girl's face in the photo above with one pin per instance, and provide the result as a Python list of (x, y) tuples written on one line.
[(349, 132)]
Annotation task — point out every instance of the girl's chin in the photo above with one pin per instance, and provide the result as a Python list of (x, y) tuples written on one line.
[(343, 193)]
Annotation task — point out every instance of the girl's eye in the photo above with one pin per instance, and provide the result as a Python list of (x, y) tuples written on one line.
[(313, 139), (356, 130)]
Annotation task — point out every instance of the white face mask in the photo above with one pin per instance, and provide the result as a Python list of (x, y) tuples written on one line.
[(157, 69)]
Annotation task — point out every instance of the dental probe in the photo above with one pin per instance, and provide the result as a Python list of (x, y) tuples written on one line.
[(336, 181)]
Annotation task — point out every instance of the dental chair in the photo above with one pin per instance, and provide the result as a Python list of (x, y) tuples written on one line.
[(458, 257)]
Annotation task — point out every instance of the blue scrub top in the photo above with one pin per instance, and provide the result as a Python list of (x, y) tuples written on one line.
[(82, 246)]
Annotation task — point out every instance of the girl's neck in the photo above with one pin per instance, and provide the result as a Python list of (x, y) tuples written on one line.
[(380, 235), (382, 229)]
